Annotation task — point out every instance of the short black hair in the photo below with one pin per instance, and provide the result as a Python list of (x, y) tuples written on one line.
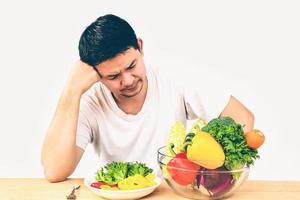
[(105, 38)]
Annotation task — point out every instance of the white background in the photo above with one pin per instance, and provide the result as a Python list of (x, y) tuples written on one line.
[(250, 49)]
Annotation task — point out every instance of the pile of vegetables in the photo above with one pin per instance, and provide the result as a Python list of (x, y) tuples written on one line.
[(219, 145), (231, 137), (124, 176)]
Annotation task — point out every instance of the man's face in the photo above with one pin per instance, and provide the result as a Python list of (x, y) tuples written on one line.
[(125, 74)]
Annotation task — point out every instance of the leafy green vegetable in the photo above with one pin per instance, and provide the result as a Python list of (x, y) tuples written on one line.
[(114, 172), (230, 136), (139, 168)]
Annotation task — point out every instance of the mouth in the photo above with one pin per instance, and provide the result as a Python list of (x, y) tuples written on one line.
[(130, 88), (133, 90)]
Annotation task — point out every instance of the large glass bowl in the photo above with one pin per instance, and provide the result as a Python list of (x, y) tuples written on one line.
[(202, 183)]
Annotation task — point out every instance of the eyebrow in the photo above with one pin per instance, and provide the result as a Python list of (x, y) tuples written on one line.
[(114, 74)]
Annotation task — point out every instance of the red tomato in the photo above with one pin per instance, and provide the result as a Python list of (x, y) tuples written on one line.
[(97, 184), (182, 170)]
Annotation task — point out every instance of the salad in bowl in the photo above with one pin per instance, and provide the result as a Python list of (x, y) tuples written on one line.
[(123, 180)]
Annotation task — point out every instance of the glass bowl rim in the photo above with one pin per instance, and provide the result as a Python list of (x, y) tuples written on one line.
[(207, 171)]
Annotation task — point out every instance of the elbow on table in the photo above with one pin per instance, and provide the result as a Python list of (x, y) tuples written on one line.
[(54, 176)]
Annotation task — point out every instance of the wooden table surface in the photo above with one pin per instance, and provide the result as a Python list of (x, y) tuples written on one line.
[(32, 189)]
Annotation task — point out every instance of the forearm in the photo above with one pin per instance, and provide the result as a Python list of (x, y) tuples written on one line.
[(239, 113), (59, 149)]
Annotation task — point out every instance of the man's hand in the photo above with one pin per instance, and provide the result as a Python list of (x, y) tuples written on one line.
[(82, 77)]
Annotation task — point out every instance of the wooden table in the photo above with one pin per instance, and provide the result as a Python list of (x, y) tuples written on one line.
[(32, 189)]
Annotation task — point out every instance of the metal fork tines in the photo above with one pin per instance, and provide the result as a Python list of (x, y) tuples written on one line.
[(72, 194)]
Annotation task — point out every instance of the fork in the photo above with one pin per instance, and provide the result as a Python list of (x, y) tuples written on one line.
[(72, 195)]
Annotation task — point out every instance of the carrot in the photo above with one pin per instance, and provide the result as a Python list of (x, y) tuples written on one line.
[(254, 138)]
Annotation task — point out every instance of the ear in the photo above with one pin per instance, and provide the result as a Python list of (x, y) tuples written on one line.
[(140, 45)]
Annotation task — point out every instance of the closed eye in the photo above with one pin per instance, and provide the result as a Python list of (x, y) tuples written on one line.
[(131, 67), (113, 77)]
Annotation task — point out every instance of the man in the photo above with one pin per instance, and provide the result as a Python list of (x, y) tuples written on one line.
[(114, 102)]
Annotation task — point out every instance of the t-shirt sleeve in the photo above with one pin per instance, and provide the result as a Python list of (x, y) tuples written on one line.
[(200, 103), (193, 105), (84, 134)]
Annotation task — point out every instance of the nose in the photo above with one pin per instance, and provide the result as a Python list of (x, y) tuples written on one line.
[(127, 79)]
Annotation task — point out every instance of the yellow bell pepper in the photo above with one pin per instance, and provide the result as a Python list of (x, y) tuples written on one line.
[(205, 151)]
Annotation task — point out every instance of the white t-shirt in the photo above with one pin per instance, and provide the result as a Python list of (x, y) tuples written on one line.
[(117, 136)]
